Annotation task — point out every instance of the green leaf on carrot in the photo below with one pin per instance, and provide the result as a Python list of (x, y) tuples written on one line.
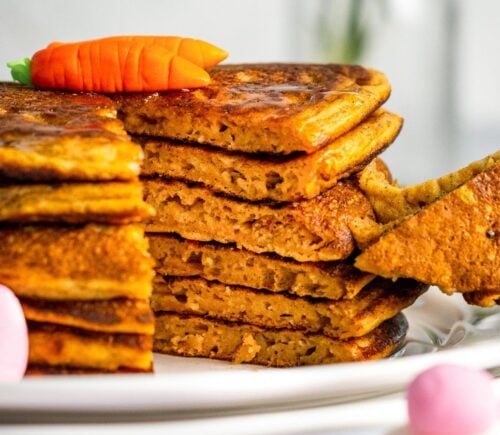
[(21, 71)]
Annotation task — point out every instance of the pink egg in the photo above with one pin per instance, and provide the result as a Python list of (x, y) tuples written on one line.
[(13, 337), (450, 399)]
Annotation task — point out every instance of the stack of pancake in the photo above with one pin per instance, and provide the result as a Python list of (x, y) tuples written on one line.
[(71, 246), (254, 183)]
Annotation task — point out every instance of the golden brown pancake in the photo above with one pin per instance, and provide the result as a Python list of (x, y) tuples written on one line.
[(230, 265), (61, 346), (47, 135), (112, 202), (202, 337), (453, 243), (281, 179), (85, 263), (392, 203), (273, 108), (131, 316), (312, 230), (379, 301)]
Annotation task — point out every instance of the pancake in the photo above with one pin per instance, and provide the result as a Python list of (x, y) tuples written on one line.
[(84, 263), (364, 231), (112, 202), (61, 346), (44, 370), (230, 265), (392, 203), (131, 316), (483, 299), (272, 108), (56, 136), (453, 243), (379, 301), (265, 178), (312, 230), (202, 337)]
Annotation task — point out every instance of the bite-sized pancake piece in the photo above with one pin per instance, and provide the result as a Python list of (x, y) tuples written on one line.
[(392, 203), (485, 299), (203, 337), (273, 108), (377, 302), (85, 263), (312, 230), (62, 346), (230, 265), (112, 202), (453, 243), (57, 136), (132, 316), (281, 179)]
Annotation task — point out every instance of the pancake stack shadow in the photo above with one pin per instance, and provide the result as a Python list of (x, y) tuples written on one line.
[(254, 184), (71, 246)]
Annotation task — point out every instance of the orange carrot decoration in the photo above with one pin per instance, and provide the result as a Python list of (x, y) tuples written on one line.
[(199, 52), (120, 64)]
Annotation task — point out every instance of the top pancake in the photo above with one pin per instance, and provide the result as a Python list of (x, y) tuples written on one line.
[(60, 136), (272, 108)]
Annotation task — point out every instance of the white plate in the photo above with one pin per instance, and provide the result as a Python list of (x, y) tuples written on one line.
[(442, 329)]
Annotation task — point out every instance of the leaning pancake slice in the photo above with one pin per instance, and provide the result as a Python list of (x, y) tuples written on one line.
[(89, 262), (267, 178), (131, 316), (62, 346), (230, 265), (202, 337), (453, 242), (112, 202), (392, 203), (54, 136), (312, 230), (379, 301), (273, 108)]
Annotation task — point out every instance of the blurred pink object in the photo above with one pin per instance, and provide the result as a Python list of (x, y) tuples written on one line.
[(13, 337), (450, 399)]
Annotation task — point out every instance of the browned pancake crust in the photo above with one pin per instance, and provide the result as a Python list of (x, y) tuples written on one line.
[(274, 108), (312, 230), (230, 265), (483, 299), (202, 337), (379, 301), (264, 178), (90, 262), (47, 135), (113, 202), (61, 346), (453, 243), (41, 370), (131, 316)]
